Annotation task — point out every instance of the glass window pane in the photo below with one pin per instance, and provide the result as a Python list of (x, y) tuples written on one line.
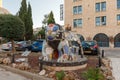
[(97, 6), (75, 22), (118, 4), (103, 6), (79, 22), (118, 17), (103, 20), (75, 10), (97, 21), (79, 9), (74, 0)]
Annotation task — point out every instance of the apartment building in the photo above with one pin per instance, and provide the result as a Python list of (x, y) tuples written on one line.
[(94, 20)]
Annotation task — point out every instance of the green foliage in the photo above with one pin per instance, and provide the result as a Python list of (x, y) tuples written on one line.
[(11, 27), (51, 18), (60, 75), (93, 74), (44, 22), (25, 13), (29, 24), (42, 33)]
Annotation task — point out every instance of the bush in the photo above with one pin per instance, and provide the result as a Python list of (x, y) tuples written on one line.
[(60, 75), (93, 74)]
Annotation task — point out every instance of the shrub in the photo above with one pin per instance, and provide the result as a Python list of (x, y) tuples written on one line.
[(60, 75), (93, 74)]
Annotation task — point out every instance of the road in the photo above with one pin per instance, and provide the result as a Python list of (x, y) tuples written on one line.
[(6, 75), (114, 55), (112, 52)]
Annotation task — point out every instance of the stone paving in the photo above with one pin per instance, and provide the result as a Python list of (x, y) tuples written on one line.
[(6, 75), (115, 63), (114, 55)]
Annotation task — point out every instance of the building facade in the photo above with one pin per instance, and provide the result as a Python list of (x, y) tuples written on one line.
[(0, 3), (94, 20), (3, 10)]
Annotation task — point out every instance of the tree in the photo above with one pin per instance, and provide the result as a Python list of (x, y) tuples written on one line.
[(23, 11), (42, 33), (29, 24), (51, 18), (44, 22), (11, 27), (26, 16)]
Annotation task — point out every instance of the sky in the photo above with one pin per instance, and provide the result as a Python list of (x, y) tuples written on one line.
[(39, 9)]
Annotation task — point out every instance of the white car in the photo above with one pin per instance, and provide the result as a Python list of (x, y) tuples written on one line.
[(7, 46)]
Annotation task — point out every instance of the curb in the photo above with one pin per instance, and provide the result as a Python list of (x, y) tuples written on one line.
[(26, 74)]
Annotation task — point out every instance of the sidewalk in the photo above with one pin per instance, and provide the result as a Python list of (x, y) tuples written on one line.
[(7, 75), (28, 75), (115, 64)]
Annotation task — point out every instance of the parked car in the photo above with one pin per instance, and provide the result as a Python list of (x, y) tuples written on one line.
[(90, 47), (36, 46), (7, 46), (21, 45)]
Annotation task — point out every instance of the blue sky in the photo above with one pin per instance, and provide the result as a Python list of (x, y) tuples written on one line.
[(39, 9)]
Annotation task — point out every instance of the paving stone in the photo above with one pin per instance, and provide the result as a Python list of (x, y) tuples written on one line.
[(115, 63)]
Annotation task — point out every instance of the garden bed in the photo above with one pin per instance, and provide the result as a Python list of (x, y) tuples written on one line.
[(33, 61)]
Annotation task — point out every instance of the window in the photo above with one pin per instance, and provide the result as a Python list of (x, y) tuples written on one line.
[(100, 20), (77, 9), (118, 17), (97, 7), (97, 21), (77, 23), (103, 6), (103, 20), (118, 4), (100, 6), (74, 0)]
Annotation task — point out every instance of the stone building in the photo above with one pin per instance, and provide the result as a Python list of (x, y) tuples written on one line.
[(94, 20), (3, 10)]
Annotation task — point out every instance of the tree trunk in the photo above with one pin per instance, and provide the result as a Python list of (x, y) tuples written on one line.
[(13, 50)]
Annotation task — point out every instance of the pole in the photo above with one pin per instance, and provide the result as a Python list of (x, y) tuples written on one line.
[(41, 63), (103, 54), (99, 61)]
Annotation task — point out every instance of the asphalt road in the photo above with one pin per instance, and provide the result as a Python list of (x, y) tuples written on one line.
[(112, 52)]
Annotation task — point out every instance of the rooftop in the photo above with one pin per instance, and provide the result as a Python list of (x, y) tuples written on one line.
[(4, 11)]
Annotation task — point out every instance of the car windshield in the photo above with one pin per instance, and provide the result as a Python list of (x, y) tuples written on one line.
[(90, 43)]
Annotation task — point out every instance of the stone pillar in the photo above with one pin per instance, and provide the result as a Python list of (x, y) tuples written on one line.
[(111, 45)]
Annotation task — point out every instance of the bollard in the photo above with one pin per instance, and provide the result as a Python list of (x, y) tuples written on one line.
[(99, 61), (41, 63), (102, 53), (13, 58), (41, 66)]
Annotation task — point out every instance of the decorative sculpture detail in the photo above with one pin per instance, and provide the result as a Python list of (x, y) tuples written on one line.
[(59, 45)]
